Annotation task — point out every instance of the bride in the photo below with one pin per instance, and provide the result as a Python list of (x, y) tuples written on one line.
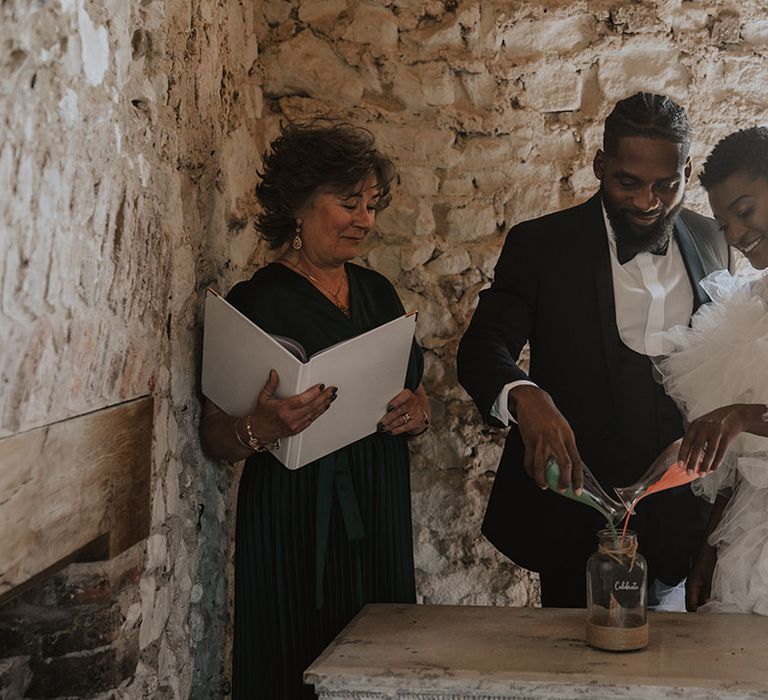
[(717, 371)]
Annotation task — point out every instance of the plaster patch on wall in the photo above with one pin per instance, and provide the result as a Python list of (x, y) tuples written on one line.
[(143, 169), (68, 108), (95, 46), (71, 61)]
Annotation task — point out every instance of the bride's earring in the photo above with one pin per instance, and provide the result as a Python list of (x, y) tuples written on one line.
[(297, 243)]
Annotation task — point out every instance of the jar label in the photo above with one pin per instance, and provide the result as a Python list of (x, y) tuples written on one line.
[(627, 586)]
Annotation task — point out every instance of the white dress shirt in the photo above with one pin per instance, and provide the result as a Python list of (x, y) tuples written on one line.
[(652, 293)]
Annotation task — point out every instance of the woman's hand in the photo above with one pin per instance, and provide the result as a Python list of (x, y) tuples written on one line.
[(408, 412), (698, 584), (278, 418), (709, 436), (223, 435)]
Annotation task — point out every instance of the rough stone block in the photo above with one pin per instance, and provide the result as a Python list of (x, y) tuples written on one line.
[(157, 552), (534, 190), (445, 35), (470, 223), (453, 263), (277, 11), (726, 27), (386, 260), (155, 608), (321, 11), (418, 180), (436, 324), (461, 186), (415, 254), (746, 79), (755, 32), (531, 38), (484, 256), (398, 220), (480, 88), (690, 17), (15, 676), (80, 675), (487, 151), (641, 64), (635, 18), (557, 146), (307, 65), (418, 145), (424, 85), (553, 88), (374, 25), (583, 181)]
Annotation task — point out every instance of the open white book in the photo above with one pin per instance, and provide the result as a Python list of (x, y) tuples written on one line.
[(368, 370)]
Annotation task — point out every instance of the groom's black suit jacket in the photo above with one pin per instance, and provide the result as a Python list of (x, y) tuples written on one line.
[(553, 288)]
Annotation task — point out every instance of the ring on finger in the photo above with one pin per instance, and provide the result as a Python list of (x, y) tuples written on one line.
[(406, 418)]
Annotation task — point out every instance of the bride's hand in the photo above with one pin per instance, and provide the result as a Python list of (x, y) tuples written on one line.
[(698, 584), (709, 436)]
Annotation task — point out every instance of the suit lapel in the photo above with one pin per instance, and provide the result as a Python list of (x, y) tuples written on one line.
[(692, 259), (600, 260)]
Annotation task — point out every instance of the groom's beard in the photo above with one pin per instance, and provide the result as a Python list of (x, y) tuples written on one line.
[(636, 239)]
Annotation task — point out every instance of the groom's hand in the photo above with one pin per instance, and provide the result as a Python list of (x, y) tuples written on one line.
[(545, 434)]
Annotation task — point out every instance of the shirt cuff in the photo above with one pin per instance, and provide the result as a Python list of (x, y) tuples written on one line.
[(500, 408)]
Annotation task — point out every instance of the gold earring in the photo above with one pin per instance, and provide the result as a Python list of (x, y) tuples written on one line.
[(297, 243)]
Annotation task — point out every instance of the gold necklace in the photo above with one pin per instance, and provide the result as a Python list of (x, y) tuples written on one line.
[(344, 308)]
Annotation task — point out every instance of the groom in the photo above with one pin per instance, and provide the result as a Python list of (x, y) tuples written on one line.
[(590, 288)]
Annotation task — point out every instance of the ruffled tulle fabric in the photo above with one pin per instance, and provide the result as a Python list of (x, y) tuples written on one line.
[(721, 359)]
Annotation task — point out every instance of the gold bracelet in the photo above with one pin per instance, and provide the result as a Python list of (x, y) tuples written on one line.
[(237, 434), (257, 445)]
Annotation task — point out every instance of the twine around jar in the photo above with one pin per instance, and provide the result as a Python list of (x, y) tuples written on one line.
[(618, 554)]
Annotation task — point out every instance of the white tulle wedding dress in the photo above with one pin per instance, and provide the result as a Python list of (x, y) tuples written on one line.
[(721, 359)]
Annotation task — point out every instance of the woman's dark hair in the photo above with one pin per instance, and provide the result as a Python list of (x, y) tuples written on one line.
[(744, 151), (306, 157), (649, 115)]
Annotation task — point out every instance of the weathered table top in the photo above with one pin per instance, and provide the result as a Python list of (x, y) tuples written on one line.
[(424, 651)]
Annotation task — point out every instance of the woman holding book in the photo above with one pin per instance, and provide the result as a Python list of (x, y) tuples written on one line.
[(314, 545)]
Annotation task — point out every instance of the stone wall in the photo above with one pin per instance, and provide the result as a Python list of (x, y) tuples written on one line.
[(131, 134), (493, 111), (130, 139)]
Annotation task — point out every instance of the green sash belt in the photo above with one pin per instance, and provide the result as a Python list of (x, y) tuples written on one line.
[(334, 475)]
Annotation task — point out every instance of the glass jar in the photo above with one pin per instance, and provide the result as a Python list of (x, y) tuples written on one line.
[(617, 602)]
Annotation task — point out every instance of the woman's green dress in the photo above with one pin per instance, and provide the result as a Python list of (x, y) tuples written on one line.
[(315, 544)]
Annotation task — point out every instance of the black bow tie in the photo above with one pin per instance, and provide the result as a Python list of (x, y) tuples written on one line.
[(624, 254)]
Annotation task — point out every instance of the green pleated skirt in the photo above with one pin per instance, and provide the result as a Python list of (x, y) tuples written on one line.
[(313, 546)]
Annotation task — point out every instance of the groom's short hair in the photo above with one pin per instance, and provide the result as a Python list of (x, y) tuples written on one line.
[(649, 115), (744, 151)]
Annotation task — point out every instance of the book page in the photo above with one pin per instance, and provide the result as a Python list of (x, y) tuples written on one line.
[(237, 357), (369, 370)]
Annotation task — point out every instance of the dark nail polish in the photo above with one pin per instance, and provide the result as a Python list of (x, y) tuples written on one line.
[(390, 407), (322, 387), (333, 398)]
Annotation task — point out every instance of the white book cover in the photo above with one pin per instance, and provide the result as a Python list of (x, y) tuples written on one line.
[(368, 370)]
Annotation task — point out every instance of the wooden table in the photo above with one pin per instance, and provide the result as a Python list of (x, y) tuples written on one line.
[(457, 652)]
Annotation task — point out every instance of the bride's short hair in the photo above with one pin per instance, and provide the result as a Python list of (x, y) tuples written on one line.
[(744, 151)]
